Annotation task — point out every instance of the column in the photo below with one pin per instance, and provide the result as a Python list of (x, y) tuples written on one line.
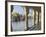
[(33, 16), (26, 17)]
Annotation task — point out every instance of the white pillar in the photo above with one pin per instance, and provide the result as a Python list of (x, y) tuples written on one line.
[(36, 17), (25, 18), (33, 16)]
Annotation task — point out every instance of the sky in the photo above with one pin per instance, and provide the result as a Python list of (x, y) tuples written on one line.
[(20, 9)]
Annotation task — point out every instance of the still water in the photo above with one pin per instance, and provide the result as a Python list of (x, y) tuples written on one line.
[(20, 25)]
